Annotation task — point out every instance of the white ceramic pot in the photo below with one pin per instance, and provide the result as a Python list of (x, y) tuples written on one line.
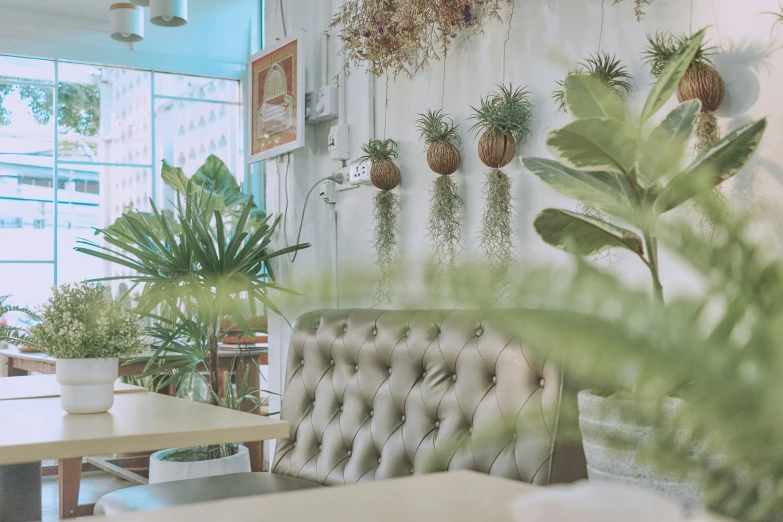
[(603, 420), (87, 385), (166, 471)]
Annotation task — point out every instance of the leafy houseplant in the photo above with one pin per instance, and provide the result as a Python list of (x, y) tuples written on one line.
[(603, 66), (444, 227), (87, 333), (385, 175), (700, 82), (604, 157), (504, 119), (8, 333)]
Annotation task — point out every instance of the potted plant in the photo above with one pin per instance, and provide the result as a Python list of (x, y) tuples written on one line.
[(444, 227), (604, 157), (10, 333), (385, 175), (87, 333), (200, 273), (503, 119)]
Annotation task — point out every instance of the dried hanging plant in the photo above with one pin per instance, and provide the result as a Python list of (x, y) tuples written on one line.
[(385, 175), (503, 118), (401, 36), (444, 227), (637, 7), (603, 66)]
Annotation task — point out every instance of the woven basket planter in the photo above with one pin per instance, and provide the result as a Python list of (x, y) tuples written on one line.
[(496, 151), (702, 83), (443, 158), (384, 174)]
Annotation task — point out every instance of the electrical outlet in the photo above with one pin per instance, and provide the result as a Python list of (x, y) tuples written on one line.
[(360, 173), (329, 191)]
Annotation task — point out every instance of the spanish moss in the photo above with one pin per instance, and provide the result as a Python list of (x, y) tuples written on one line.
[(444, 228), (497, 230), (386, 242)]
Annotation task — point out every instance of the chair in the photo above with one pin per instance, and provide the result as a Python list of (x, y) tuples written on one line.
[(373, 394)]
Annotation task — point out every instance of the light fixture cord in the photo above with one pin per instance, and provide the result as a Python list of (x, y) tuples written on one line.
[(508, 37)]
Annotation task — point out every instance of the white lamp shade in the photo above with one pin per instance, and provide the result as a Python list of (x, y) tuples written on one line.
[(141, 2), (169, 13), (126, 22)]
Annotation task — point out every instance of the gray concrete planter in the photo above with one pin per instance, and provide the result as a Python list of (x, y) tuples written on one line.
[(603, 420)]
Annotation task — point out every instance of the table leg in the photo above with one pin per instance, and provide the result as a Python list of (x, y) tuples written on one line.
[(256, 448), (69, 477), (20, 492)]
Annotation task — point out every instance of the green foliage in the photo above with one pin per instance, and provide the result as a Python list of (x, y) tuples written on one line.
[(81, 321), (386, 214), (717, 349), (637, 7), (506, 110), (436, 126), (375, 150), (603, 66), (8, 333), (204, 271), (663, 45), (605, 159), (496, 237), (444, 227), (78, 105)]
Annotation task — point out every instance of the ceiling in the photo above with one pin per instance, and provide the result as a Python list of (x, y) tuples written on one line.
[(86, 9)]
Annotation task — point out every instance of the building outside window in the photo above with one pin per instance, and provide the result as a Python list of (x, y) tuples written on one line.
[(114, 129)]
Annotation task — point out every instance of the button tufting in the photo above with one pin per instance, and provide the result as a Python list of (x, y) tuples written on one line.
[(514, 436), (411, 471), (302, 363), (357, 367), (313, 404), (454, 377), (437, 424), (423, 375), (541, 382), (341, 408), (372, 412), (349, 452), (470, 430), (479, 332), (379, 460), (403, 418), (375, 331), (494, 379), (408, 333), (331, 363), (319, 447), (345, 328), (389, 370)]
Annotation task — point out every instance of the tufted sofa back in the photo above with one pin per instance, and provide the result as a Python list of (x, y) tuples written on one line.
[(373, 394)]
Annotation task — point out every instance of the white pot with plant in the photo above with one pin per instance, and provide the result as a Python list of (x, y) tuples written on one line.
[(208, 259), (87, 333), (606, 158)]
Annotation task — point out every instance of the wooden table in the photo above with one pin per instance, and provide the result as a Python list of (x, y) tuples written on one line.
[(41, 430), (46, 386)]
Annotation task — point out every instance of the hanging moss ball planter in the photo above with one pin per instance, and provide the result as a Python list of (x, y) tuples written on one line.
[(385, 175), (444, 226), (603, 66), (503, 119)]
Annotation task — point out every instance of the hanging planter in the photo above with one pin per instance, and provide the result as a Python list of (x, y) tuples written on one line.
[(604, 67), (701, 82), (637, 7), (503, 119), (444, 227), (385, 175)]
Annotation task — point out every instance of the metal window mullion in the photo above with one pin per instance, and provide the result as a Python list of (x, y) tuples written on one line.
[(187, 99), (26, 83), (55, 154), (154, 124), (106, 164)]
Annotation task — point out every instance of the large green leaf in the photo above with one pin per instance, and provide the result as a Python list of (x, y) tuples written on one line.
[(671, 75), (589, 97), (213, 176), (175, 178), (595, 144), (662, 152), (606, 190), (583, 235), (722, 161)]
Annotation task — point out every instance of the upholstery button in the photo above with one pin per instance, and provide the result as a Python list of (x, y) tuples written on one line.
[(541, 382), (470, 430), (379, 460), (454, 377), (341, 408), (313, 404), (375, 331), (408, 333), (389, 371), (331, 363), (357, 367), (514, 436), (423, 375), (494, 379), (403, 418), (345, 328), (411, 471), (372, 412), (302, 363), (349, 452), (479, 332), (437, 424), (319, 447)]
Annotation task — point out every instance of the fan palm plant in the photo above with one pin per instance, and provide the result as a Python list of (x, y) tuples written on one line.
[(9, 333), (202, 272)]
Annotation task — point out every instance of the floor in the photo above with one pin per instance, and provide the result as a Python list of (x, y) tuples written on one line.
[(94, 485)]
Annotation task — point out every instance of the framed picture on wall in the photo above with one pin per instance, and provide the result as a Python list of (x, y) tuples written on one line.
[(276, 105)]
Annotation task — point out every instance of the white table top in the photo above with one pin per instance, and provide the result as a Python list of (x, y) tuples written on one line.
[(43, 386), (32, 430)]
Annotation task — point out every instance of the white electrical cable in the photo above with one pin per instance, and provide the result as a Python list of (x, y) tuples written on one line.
[(334, 178)]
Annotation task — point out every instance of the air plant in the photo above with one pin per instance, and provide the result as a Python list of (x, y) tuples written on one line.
[(504, 119), (637, 7), (385, 175), (603, 66), (444, 228)]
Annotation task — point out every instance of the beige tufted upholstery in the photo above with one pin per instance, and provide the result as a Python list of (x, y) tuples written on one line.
[(373, 394)]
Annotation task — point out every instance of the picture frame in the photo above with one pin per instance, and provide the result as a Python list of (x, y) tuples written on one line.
[(276, 100)]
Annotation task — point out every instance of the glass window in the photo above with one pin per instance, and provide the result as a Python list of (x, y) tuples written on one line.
[(105, 158)]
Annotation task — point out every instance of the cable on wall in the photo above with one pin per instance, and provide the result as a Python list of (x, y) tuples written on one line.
[(601, 31), (282, 17)]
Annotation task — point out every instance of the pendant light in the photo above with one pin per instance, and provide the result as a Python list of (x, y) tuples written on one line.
[(127, 22), (169, 13), (144, 3)]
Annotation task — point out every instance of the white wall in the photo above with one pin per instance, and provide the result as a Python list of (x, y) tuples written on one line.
[(546, 37), (217, 40)]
